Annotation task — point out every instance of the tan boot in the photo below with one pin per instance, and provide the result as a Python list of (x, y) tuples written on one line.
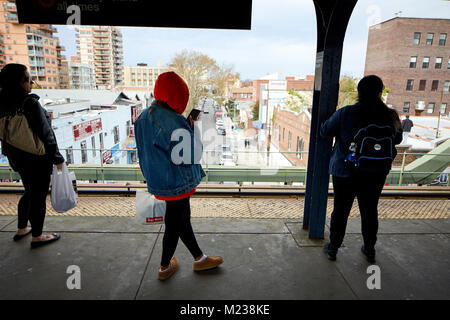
[(207, 263), (173, 266)]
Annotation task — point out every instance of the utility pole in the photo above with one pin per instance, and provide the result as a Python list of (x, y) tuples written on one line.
[(439, 114), (268, 137)]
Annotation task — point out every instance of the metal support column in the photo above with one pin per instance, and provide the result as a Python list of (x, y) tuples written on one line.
[(332, 20)]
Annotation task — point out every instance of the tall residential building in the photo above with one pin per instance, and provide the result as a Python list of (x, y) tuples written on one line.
[(412, 56), (32, 45), (142, 76), (64, 79), (81, 75), (101, 47)]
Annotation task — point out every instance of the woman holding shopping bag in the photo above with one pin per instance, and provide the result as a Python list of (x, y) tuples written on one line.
[(34, 170), (171, 176)]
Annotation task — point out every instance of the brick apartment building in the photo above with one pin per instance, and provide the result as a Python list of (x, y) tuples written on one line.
[(412, 56), (291, 134), (242, 94), (301, 84)]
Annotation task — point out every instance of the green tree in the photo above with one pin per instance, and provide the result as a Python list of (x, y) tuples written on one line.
[(203, 74), (348, 92), (194, 67), (255, 111), (295, 101)]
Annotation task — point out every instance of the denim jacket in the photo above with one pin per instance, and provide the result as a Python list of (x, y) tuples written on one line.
[(170, 169), (343, 124)]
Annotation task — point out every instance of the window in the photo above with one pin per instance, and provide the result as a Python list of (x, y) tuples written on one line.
[(434, 85), (128, 128), (443, 108), (416, 38), (116, 134), (93, 145), (448, 64), (422, 85), (289, 141), (300, 146), (406, 106), (446, 85), (133, 157), (284, 129), (412, 62), (100, 138), (83, 152), (409, 84), (442, 38), (420, 105), (69, 155), (430, 107), (438, 63), (430, 39), (426, 62)]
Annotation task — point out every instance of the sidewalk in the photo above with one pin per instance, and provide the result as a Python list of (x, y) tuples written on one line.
[(263, 259)]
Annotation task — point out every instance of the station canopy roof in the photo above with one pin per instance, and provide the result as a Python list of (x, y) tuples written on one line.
[(232, 14)]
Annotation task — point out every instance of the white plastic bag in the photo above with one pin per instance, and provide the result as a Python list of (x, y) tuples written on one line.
[(63, 195), (149, 210)]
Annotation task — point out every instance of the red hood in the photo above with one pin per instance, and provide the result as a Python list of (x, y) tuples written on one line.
[(171, 89)]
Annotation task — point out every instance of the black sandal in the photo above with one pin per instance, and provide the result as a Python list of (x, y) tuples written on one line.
[(17, 237), (36, 244)]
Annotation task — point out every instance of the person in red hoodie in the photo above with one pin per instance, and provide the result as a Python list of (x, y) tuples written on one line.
[(167, 177)]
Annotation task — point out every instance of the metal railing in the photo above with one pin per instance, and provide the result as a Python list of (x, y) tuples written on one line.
[(258, 170)]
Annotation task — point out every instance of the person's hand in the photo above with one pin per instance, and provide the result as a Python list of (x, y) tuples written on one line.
[(191, 122), (59, 166)]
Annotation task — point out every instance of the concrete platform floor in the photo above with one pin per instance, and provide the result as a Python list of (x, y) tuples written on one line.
[(263, 259)]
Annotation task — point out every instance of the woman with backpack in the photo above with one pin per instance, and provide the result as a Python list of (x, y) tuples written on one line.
[(34, 170), (365, 137)]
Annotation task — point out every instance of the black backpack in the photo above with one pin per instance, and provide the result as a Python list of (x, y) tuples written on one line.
[(372, 149)]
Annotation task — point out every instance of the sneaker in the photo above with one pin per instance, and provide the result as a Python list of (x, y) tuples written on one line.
[(370, 254), (165, 274), (207, 263), (331, 252)]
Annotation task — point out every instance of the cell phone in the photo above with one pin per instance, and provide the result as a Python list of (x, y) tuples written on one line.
[(194, 114)]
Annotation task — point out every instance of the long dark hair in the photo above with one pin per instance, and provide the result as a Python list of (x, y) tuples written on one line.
[(373, 108), (11, 77)]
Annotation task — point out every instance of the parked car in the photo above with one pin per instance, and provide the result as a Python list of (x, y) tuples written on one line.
[(226, 159), (225, 148), (221, 130)]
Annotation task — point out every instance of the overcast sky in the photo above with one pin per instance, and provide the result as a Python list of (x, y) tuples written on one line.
[(282, 37)]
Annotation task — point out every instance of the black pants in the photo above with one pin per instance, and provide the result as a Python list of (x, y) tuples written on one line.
[(32, 206), (367, 189), (178, 225)]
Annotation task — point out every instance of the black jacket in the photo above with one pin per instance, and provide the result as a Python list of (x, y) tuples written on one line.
[(407, 124), (39, 121)]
